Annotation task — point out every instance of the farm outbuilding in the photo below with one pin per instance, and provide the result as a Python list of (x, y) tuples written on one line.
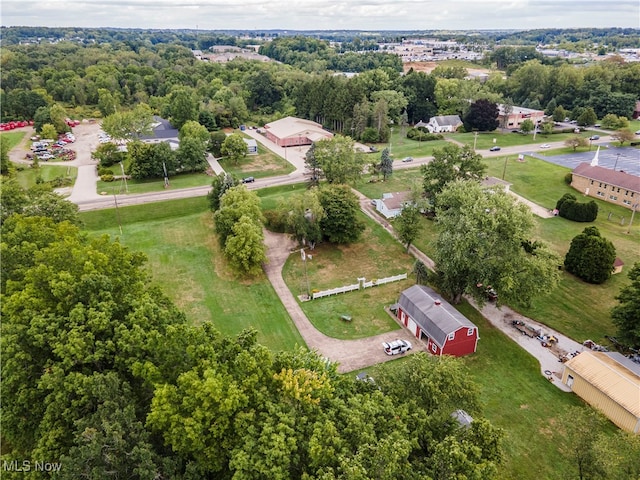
[(292, 131), (609, 382), (431, 318)]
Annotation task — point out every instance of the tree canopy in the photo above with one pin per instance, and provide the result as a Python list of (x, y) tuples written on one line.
[(482, 116), (626, 314), (590, 256), (338, 160), (341, 207), (451, 163), (482, 240)]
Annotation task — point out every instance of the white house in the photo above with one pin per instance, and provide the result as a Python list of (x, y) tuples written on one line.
[(444, 123), (391, 204)]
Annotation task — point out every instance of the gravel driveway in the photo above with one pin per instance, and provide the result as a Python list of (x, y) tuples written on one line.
[(349, 354)]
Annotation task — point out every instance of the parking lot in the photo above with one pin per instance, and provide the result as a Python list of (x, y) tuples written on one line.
[(625, 159)]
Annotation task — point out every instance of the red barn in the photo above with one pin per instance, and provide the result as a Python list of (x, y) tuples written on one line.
[(428, 316)]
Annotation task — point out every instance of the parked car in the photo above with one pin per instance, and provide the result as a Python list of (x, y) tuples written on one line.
[(494, 149), (248, 180), (638, 132), (396, 347), (594, 137), (407, 159), (545, 145), (45, 156)]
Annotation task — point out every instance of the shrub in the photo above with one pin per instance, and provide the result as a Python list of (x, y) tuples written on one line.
[(104, 171), (568, 207), (370, 135), (590, 256), (61, 182), (274, 221), (422, 135), (568, 178), (107, 178)]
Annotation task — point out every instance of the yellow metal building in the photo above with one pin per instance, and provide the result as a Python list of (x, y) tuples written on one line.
[(609, 382)]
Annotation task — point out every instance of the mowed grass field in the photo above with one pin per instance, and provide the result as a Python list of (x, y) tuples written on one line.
[(186, 262), (375, 255)]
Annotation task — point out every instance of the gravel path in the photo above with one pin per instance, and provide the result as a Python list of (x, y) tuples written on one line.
[(349, 354)]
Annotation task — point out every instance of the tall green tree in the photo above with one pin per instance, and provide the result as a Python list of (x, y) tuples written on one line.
[(482, 240), (576, 426), (215, 143), (236, 202), (303, 214), (190, 155), (6, 166), (245, 247), (386, 164), (76, 331), (626, 314), (341, 223), (37, 201), (338, 160), (590, 256), (408, 225), (130, 124), (149, 160), (220, 184), (451, 163), (234, 147), (193, 129), (183, 107), (107, 103), (313, 166)]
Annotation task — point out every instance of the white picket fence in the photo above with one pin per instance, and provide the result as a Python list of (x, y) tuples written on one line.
[(362, 284)]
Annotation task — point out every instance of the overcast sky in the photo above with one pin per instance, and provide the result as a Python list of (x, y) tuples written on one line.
[(323, 14)]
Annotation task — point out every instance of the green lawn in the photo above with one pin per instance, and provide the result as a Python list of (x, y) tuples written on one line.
[(27, 177), (377, 255), (485, 140), (401, 147), (264, 164), (183, 180), (185, 260), (12, 138), (398, 182)]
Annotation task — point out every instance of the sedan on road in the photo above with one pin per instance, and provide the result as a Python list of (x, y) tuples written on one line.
[(545, 145), (494, 149)]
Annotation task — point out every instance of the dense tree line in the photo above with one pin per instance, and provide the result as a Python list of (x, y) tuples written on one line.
[(99, 79)]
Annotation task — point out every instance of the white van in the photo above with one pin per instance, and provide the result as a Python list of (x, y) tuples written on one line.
[(396, 347)]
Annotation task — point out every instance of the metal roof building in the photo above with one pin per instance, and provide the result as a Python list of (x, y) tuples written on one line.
[(430, 317), (609, 382)]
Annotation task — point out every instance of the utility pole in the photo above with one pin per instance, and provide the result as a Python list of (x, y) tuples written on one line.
[(633, 212)]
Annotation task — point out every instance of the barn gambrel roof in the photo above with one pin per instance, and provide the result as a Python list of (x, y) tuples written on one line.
[(433, 314)]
